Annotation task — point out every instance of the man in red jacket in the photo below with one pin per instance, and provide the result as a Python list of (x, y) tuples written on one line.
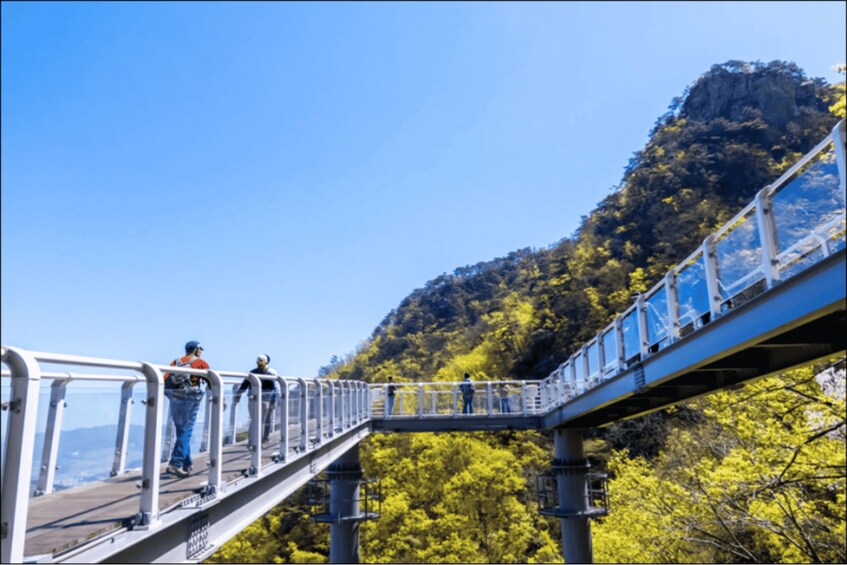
[(185, 393)]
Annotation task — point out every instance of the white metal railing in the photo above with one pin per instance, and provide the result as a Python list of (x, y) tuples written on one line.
[(445, 399), (790, 225), (302, 411)]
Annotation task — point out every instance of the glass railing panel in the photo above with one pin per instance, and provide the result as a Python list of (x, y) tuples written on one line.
[(834, 234), (739, 255), (631, 341), (658, 319), (692, 294), (593, 360), (803, 208), (610, 351), (579, 366)]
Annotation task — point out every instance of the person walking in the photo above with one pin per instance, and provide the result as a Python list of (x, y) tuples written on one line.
[(269, 394), (184, 393), (467, 389), (391, 391)]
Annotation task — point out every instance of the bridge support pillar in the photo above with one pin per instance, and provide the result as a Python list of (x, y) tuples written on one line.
[(344, 475), (571, 468)]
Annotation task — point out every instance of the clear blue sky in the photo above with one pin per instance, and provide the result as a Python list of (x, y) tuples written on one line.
[(276, 178)]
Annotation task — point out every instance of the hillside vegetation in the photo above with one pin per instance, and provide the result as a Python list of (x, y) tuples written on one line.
[(755, 474)]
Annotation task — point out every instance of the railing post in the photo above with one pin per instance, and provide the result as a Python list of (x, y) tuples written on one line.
[(122, 439), (420, 400), (673, 306), (319, 428), (233, 412), (560, 382), (216, 407), (283, 418), (490, 400), (254, 435), (455, 400), (52, 432), (331, 409), (400, 403), (620, 350), (641, 317), (767, 236), (304, 415), (601, 356), (148, 509), (20, 446), (838, 141), (207, 420), (524, 398), (710, 270)]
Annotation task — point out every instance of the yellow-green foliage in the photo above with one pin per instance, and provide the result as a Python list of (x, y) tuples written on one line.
[(453, 498), (761, 480)]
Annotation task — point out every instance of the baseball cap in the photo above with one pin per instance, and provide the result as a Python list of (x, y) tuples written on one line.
[(192, 345)]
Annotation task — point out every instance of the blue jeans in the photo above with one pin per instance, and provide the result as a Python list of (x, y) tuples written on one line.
[(467, 408), (505, 405), (390, 409), (184, 408)]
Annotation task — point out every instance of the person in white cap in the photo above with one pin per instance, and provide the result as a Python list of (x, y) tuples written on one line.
[(269, 394)]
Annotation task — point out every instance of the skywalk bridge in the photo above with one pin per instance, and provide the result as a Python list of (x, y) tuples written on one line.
[(763, 294)]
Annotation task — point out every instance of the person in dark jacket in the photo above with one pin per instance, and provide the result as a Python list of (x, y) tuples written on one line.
[(467, 388), (270, 394)]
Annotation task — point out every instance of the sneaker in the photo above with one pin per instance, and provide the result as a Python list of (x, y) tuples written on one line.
[(176, 471)]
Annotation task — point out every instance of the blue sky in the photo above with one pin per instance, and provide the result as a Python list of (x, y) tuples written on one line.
[(276, 177)]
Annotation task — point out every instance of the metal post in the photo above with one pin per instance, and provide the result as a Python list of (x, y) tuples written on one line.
[(673, 306), (620, 350), (455, 400), (601, 355), (641, 318), (710, 264), (570, 467), (319, 413), (52, 432), (148, 510), (283, 419), (216, 425), (233, 412), (490, 400), (345, 474), (254, 435), (766, 224), (20, 445), (524, 398), (207, 421), (331, 410), (122, 438), (420, 400), (304, 415)]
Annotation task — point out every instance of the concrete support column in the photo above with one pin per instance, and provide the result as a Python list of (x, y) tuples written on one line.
[(570, 467), (344, 474)]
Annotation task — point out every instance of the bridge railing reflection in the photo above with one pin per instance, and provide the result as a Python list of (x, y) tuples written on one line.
[(791, 225)]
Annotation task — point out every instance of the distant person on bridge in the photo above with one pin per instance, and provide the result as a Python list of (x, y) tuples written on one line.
[(391, 391), (467, 389), (269, 394), (185, 393), (505, 401)]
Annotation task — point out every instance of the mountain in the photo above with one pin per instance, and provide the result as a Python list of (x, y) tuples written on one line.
[(754, 474)]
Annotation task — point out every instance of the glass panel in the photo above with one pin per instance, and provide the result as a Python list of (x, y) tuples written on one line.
[(593, 358), (691, 291), (739, 255), (631, 343), (579, 366), (806, 203), (658, 320), (610, 350), (834, 235)]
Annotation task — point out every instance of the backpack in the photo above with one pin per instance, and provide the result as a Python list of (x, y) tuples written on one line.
[(179, 380), (467, 388)]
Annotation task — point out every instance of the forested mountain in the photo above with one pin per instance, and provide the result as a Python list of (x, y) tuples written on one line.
[(700, 482)]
